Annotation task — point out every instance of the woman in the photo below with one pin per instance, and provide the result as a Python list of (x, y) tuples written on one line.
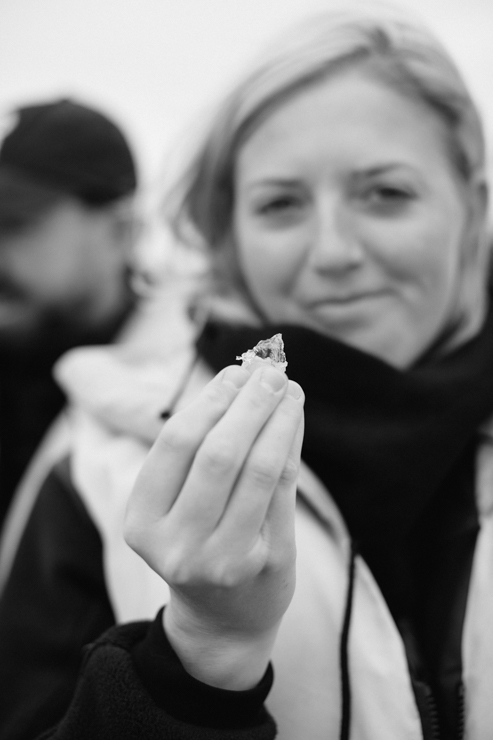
[(340, 194)]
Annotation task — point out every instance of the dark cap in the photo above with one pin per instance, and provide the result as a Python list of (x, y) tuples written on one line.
[(71, 148)]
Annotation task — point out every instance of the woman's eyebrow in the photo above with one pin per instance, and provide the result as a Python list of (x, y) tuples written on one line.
[(273, 182), (384, 169)]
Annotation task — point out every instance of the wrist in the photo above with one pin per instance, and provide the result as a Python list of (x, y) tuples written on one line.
[(228, 660)]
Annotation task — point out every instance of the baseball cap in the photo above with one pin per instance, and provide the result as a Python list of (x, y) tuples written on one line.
[(69, 147)]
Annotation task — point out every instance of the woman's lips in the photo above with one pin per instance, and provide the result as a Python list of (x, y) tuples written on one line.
[(345, 300)]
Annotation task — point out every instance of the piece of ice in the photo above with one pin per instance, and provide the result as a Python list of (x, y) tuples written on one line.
[(267, 350)]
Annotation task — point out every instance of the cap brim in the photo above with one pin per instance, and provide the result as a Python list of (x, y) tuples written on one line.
[(23, 199)]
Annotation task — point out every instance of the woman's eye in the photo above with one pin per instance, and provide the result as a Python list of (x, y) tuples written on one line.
[(393, 193), (278, 206), (389, 197)]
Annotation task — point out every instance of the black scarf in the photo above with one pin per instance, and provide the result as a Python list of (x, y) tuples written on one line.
[(396, 450), (382, 440)]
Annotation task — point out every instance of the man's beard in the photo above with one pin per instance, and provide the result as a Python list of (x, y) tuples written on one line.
[(53, 331)]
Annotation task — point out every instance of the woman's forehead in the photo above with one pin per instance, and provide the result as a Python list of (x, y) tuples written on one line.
[(350, 119)]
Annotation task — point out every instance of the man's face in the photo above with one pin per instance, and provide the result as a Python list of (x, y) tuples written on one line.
[(63, 272)]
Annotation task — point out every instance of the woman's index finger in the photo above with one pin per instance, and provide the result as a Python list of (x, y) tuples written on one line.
[(170, 458)]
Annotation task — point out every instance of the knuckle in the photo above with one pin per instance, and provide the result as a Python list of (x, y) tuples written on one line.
[(175, 435), (177, 569), (290, 472), (222, 575), (218, 394), (185, 572), (218, 458), (262, 473), (283, 558)]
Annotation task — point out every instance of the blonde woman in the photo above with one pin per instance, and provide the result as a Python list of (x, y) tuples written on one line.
[(340, 196)]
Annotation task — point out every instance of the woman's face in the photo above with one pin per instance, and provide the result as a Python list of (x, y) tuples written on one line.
[(349, 217)]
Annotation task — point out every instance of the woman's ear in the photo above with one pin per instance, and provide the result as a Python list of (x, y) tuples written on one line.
[(477, 201), (484, 217), (482, 199), (473, 279)]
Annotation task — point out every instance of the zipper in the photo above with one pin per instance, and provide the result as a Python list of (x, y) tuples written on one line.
[(428, 710), (433, 715), (461, 712)]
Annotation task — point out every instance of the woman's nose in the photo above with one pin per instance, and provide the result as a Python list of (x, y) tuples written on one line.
[(335, 245)]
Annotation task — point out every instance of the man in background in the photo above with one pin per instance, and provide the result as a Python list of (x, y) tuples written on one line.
[(67, 233)]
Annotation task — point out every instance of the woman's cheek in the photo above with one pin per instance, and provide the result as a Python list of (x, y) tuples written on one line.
[(270, 258), (404, 248)]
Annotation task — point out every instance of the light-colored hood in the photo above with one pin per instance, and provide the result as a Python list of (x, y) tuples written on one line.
[(116, 395), (126, 385)]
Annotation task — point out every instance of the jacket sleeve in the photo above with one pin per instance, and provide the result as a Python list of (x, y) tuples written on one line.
[(132, 686), (128, 683), (54, 603)]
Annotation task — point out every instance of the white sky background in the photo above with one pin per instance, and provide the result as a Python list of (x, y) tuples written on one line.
[(155, 65)]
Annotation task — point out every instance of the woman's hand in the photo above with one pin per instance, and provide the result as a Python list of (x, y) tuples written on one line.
[(212, 512)]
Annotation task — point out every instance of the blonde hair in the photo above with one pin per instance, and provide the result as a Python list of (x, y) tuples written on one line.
[(400, 51)]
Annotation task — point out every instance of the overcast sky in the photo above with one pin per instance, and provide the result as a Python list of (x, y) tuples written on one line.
[(156, 64)]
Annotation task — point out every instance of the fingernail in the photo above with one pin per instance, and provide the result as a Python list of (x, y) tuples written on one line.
[(235, 375), (272, 379), (294, 390)]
